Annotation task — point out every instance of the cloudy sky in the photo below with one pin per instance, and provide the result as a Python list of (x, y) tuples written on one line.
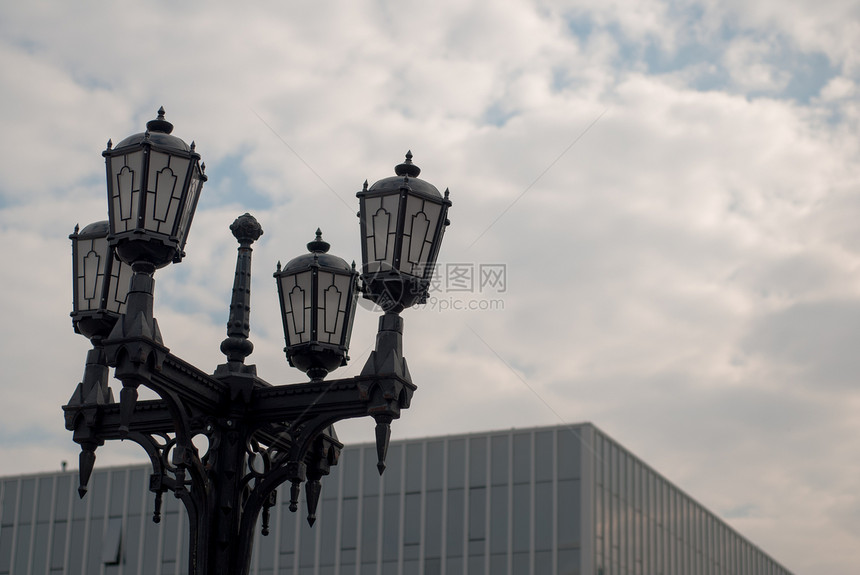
[(670, 188)]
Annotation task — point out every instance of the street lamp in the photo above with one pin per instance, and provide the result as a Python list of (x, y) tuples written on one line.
[(100, 282), (154, 180), (259, 435), (402, 221), (318, 292)]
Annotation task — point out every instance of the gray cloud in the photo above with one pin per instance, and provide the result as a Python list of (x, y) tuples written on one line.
[(685, 276), (817, 339)]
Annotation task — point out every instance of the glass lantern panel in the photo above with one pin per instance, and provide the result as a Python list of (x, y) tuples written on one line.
[(333, 298), (124, 188), (91, 262), (164, 191), (190, 203), (419, 230), (120, 281), (351, 315), (297, 293), (381, 228)]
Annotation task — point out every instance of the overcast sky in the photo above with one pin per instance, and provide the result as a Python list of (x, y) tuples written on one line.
[(671, 188)]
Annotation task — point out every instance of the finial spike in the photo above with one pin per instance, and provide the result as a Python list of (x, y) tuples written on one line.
[(407, 169), (271, 500), (77, 227), (193, 145), (312, 496), (383, 435), (86, 462), (295, 489), (109, 144), (156, 511), (159, 124), (318, 245)]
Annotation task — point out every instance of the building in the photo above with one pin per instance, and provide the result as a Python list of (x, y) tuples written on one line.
[(560, 500)]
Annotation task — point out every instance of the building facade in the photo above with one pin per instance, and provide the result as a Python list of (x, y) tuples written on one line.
[(562, 500)]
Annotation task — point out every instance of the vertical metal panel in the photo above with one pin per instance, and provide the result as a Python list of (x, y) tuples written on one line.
[(9, 524), (510, 558), (555, 502), (531, 504), (587, 456), (42, 544), (466, 502)]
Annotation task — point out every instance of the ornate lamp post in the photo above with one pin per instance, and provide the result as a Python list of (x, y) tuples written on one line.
[(260, 435)]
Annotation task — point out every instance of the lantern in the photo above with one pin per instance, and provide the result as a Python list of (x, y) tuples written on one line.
[(153, 184), (318, 292), (402, 221), (100, 281)]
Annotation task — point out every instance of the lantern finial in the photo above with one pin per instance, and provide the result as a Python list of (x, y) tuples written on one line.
[(159, 124), (318, 246), (407, 168)]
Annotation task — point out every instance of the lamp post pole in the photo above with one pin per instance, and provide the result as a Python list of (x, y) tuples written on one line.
[(260, 435)]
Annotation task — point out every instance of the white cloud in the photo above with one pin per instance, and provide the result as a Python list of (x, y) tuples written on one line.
[(750, 66), (839, 88)]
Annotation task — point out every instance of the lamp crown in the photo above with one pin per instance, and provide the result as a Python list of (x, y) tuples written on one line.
[(159, 124), (318, 246), (407, 168)]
